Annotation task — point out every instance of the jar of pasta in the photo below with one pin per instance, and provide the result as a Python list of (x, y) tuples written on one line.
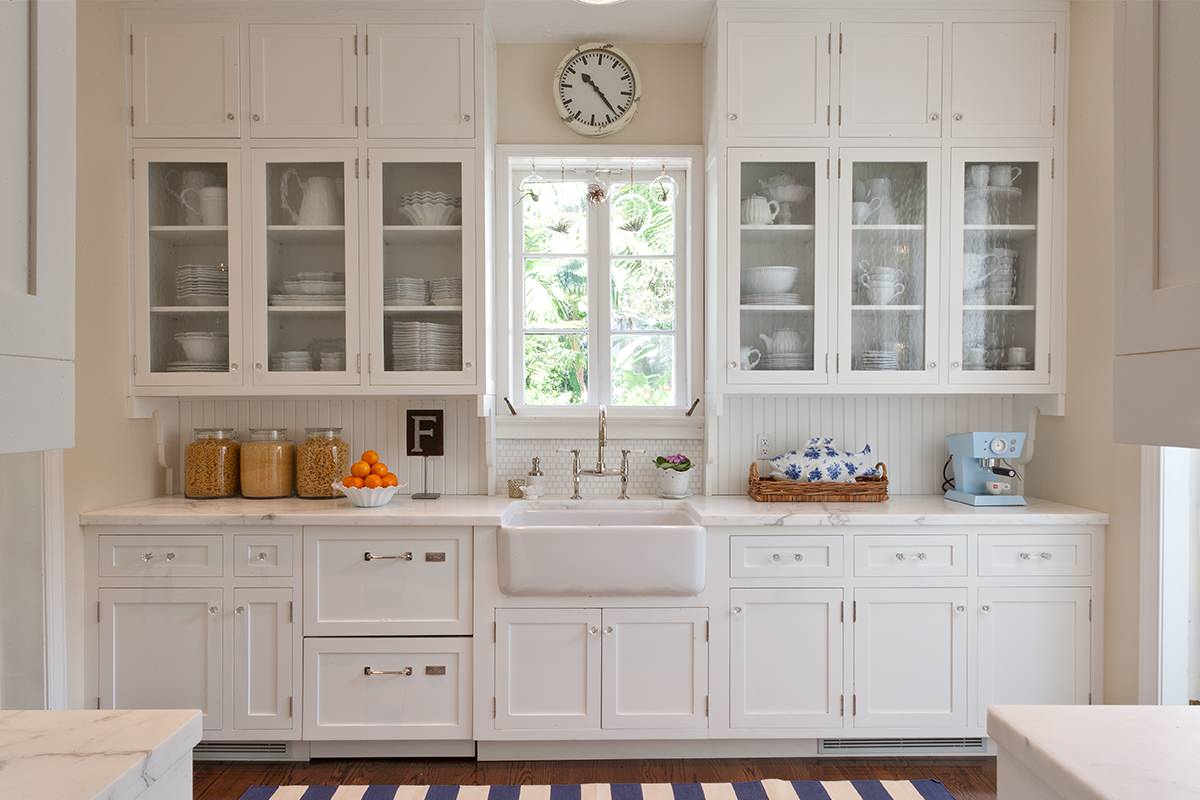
[(322, 459), (268, 463), (210, 464)]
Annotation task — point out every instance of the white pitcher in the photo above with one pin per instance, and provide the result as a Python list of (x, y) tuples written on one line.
[(758, 210), (319, 203), (786, 341)]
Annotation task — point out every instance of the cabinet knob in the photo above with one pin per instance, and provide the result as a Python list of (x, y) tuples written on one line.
[(985, 609), (933, 365), (229, 116), (233, 367), (608, 630), (776, 557), (261, 556), (736, 609), (258, 365), (953, 365), (935, 116), (797, 556), (593, 630), (240, 610), (213, 610), (468, 365), (959, 609), (733, 117), (466, 117), (733, 365), (958, 117), (170, 556)]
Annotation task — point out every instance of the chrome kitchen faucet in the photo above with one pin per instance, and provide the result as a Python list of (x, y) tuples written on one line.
[(599, 470)]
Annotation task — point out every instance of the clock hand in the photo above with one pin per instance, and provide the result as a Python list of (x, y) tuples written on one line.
[(588, 80)]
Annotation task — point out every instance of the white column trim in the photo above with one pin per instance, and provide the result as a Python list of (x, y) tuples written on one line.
[(54, 584)]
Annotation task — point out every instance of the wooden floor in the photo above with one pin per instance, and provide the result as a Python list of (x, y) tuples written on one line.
[(966, 778)]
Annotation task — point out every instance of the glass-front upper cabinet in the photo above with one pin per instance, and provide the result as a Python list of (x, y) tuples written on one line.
[(423, 309), (1000, 266), (305, 275), (777, 293), (187, 268), (888, 266)]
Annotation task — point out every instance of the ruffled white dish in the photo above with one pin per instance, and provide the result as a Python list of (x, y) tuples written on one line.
[(369, 498)]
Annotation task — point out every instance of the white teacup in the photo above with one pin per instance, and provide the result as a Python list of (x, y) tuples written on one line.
[(884, 295), (1015, 355), (975, 356), (977, 175), (1003, 174), (861, 212)]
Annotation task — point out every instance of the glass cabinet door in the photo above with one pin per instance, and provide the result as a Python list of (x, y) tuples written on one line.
[(422, 290), (777, 292), (1000, 278), (888, 276), (187, 276), (305, 267)]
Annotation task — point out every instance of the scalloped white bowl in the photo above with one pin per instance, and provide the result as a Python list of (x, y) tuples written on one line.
[(369, 498)]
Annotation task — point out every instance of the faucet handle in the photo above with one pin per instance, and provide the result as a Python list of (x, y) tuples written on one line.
[(572, 450)]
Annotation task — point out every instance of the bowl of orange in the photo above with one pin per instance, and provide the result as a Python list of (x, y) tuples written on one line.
[(370, 483)]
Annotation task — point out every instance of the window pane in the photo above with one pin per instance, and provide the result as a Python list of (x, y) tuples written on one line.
[(556, 293), (556, 369), (643, 222), (643, 370), (556, 221), (643, 295)]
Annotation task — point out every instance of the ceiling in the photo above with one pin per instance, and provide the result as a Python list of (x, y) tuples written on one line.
[(572, 21)]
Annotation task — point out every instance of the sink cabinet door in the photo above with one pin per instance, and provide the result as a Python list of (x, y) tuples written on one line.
[(655, 668), (264, 669), (548, 669)]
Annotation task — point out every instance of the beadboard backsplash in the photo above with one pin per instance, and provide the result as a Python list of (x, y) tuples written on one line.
[(374, 422), (906, 433), (513, 458)]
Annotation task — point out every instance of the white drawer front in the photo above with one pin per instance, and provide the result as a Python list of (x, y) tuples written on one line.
[(387, 581), (262, 555), (1014, 555), (160, 556), (785, 557), (910, 556), (360, 689)]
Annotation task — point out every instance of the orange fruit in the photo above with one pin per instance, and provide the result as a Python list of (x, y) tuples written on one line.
[(372, 481), (360, 469), (390, 480), (357, 482), (370, 457), (349, 480), (379, 468)]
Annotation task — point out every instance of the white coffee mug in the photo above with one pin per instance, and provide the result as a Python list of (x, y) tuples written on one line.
[(884, 295), (975, 356), (977, 175), (999, 487), (1003, 175), (1015, 355), (211, 207), (862, 211)]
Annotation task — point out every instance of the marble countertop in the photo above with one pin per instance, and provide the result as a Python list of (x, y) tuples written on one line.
[(1104, 752), (91, 755), (475, 510)]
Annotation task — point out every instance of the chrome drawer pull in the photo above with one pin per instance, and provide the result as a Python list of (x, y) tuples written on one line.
[(170, 556), (147, 556), (1043, 556), (918, 556), (369, 556), (405, 672)]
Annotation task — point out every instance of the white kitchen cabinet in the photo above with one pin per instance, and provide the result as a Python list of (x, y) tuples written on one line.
[(890, 79), (421, 81), (548, 668), (423, 279), (1002, 79), (1001, 217), (187, 267), (161, 648), (264, 666), (777, 79), (785, 658), (655, 668), (889, 273), (305, 267), (184, 79), (1034, 647), (910, 658), (303, 81)]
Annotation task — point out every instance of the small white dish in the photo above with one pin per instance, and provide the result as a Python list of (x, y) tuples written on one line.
[(369, 498)]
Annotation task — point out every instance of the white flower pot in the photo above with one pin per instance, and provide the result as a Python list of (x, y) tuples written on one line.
[(672, 483)]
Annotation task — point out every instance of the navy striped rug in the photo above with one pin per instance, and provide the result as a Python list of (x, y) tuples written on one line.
[(750, 790)]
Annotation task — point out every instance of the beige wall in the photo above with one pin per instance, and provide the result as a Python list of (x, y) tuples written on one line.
[(1076, 460), (670, 111), (114, 459)]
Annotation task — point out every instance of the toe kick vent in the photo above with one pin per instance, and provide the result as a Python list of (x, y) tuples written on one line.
[(896, 746), (240, 751)]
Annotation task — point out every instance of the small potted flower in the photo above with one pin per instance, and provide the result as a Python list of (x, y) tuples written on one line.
[(673, 475)]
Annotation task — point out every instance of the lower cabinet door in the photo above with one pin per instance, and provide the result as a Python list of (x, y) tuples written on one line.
[(547, 668), (161, 648), (387, 688), (655, 672), (910, 658), (786, 658), (263, 666), (1034, 647)]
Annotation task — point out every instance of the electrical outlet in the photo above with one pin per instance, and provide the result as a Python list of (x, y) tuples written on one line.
[(762, 445)]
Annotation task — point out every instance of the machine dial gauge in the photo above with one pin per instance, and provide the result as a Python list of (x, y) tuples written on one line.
[(998, 446)]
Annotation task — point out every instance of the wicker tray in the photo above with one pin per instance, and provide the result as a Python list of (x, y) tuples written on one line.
[(863, 490)]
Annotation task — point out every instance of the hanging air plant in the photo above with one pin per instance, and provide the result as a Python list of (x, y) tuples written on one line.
[(597, 190), (664, 185), (530, 187)]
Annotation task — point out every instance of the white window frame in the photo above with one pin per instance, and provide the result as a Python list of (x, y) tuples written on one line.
[(684, 162)]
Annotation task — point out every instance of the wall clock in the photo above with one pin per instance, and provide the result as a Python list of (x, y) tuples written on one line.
[(596, 89)]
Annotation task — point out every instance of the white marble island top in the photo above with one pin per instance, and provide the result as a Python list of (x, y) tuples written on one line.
[(473, 510), (91, 755), (1103, 752)]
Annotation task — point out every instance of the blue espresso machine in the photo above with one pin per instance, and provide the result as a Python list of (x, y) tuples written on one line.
[(978, 461)]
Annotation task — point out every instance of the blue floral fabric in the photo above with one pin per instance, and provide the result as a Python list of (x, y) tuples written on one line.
[(821, 460)]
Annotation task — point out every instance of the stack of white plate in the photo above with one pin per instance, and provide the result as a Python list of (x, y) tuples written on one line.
[(431, 208), (879, 360), (201, 285), (196, 366), (446, 291), (772, 298), (426, 346), (291, 361), (405, 292), (311, 289), (789, 361), (333, 361)]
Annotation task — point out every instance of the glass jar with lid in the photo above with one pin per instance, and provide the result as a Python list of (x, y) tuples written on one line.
[(321, 459), (211, 467), (268, 464)]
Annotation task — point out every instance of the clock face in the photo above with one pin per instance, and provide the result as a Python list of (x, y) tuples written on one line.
[(596, 89)]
